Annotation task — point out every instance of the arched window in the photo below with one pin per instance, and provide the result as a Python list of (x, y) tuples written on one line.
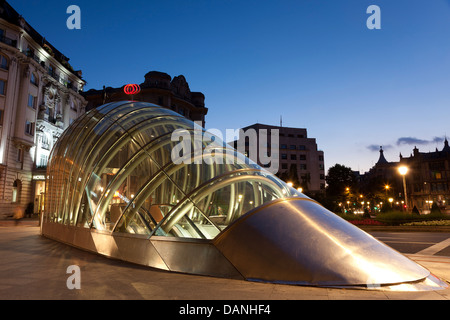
[(16, 190)]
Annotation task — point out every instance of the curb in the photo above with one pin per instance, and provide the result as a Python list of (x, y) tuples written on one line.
[(407, 228)]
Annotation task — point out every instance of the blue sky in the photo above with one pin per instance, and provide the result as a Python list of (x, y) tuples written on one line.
[(313, 62)]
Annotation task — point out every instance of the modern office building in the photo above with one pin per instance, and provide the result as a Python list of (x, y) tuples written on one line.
[(115, 187), (39, 98), (158, 88), (299, 159)]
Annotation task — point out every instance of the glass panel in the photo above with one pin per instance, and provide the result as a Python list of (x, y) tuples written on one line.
[(66, 152), (138, 222), (188, 222), (102, 180), (152, 202), (223, 200)]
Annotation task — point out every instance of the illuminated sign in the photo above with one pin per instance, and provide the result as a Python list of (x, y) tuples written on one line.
[(131, 89), (39, 177)]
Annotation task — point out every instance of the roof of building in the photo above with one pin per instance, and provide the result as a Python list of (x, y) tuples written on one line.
[(382, 159)]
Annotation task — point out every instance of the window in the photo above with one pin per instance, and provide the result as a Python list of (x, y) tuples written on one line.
[(2, 87), (33, 79), (283, 146), (293, 157), (43, 161), (29, 128), (19, 155), (302, 166), (17, 188), (72, 105), (303, 157), (32, 101), (284, 156), (1, 117), (3, 62), (301, 147), (292, 147), (284, 166)]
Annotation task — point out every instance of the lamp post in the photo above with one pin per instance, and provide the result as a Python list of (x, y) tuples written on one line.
[(403, 170)]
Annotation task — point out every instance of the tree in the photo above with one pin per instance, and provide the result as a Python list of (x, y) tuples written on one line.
[(290, 176), (339, 178)]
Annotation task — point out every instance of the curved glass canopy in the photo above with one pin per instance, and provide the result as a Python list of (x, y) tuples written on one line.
[(141, 183), (112, 170)]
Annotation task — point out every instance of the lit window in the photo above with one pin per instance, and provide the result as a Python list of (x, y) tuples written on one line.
[(17, 186)]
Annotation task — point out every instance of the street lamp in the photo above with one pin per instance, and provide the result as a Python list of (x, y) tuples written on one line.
[(386, 188), (403, 171)]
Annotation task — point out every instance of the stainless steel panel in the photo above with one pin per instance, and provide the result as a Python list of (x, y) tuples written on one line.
[(298, 241), (129, 248), (195, 257)]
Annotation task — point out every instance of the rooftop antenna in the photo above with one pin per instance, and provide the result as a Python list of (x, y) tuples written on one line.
[(281, 121)]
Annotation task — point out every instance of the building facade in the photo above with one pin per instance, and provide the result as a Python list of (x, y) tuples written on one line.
[(158, 88), (427, 180), (39, 98), (299, 159)]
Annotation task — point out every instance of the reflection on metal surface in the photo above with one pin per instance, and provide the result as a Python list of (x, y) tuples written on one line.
[(303, 243), (113, 189)]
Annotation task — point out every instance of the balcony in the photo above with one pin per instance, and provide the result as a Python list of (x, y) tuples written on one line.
[(32, 55), (8, 41)]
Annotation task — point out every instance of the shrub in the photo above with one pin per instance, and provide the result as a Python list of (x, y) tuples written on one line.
[(396, 218)]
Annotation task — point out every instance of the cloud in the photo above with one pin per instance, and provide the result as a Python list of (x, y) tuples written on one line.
[(411, 140), (376, 147), (438, 139), (416, 141)]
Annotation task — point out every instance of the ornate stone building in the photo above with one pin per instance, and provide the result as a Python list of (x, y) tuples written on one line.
[(158, 88), (427, 180), (39, 98)]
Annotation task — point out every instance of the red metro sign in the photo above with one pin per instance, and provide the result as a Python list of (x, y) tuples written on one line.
[(132, 89)]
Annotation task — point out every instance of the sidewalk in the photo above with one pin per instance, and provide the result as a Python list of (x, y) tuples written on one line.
[(25, 222), (34, 267)]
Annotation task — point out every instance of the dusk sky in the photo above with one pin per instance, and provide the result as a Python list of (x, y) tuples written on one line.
[(313, 62)]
